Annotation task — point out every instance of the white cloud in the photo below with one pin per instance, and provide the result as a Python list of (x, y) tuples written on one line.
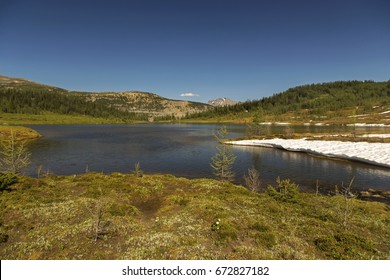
[(189, 94)]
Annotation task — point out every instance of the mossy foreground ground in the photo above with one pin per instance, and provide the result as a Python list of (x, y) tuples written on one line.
[(122, 216)]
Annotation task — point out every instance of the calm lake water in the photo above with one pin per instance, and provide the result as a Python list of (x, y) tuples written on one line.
[(185, 150)]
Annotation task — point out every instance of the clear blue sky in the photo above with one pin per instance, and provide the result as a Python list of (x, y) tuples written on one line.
[(242, 49)]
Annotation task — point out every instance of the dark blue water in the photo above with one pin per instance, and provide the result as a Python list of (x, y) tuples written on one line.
[(185, 150)]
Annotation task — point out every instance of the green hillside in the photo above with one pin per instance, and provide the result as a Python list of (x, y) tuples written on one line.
[(339, 102), (336, 102), (28, 99)]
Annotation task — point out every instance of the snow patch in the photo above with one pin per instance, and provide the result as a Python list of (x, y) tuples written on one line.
[(375, 135), (369, 124), (372, 153)]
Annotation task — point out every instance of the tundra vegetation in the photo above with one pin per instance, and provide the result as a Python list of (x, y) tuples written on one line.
[(125, 216)]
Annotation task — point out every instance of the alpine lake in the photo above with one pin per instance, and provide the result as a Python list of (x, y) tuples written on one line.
[(185, 150)]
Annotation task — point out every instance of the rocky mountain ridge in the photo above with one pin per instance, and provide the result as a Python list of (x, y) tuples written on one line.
[(222, 101)]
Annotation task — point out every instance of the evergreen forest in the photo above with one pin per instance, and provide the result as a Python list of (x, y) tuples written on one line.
[(315, 101), (41, 101), (334, 102)]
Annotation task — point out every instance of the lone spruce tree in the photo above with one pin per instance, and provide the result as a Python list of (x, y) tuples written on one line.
[(14, 155), (222, 162)]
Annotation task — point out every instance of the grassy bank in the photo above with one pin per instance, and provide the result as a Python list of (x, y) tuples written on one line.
[(122, 216), (20, 132), (50, 118)]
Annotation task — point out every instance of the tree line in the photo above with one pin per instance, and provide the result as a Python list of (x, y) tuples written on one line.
[(40, 101), (312, 99)]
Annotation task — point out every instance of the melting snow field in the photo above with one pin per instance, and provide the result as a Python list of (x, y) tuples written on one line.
[(373, 153)]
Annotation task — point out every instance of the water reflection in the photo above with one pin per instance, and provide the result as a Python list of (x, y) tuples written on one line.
[(307, 169)]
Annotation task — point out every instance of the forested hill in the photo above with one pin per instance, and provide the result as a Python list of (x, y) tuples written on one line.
[(21, 96), (335, 102)]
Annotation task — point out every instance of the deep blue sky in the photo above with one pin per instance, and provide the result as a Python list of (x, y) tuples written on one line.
[(242, 49)]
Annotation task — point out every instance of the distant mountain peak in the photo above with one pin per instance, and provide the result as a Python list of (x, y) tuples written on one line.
[(222, 101)]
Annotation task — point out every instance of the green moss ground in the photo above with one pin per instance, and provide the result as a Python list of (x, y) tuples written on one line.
[(165, 217), (20, 132)]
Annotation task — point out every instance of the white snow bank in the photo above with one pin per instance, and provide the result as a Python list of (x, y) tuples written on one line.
[(375, 135), (373, 153)]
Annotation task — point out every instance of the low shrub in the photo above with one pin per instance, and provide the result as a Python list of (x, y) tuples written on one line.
[(259, 227), (265, 239), (284, 191), (344, 245), (3, 237), (7, 179)]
